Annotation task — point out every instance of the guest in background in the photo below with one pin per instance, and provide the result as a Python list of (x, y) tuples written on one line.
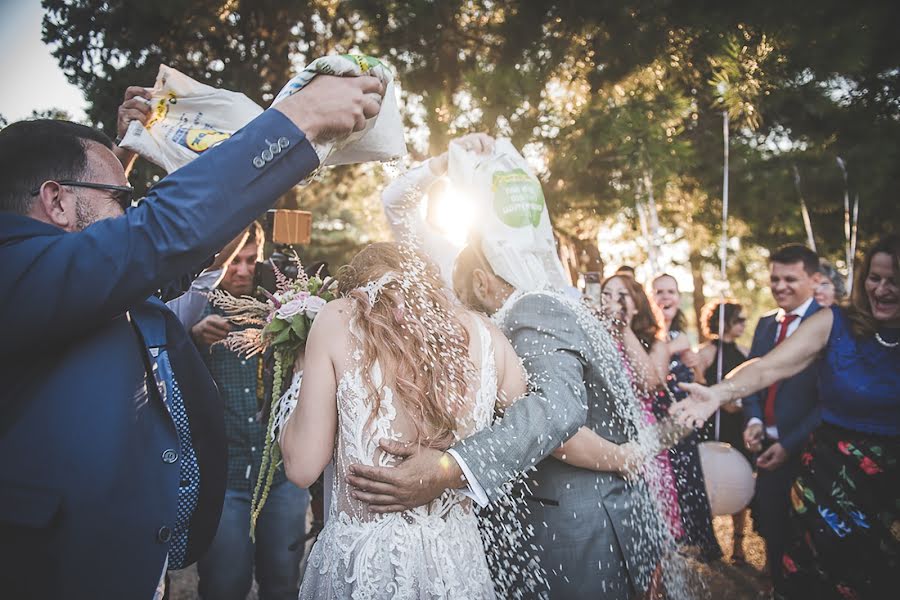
[(667, 297), (731, 423), (832, 287), (730, 417), (227, 569), (646, 361), (685, 456), (626, 270), (781, 417), (843, 533), (646, 321)]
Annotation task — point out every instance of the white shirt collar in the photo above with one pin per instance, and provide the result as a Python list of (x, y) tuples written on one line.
[(799, 311)]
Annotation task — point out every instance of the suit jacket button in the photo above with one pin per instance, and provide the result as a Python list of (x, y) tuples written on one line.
[(169, 456), (284, 142), (163, 535), (258, 162), (266, 155)]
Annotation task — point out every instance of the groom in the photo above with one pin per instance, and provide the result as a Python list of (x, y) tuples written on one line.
[(571, 509), (111, 430)]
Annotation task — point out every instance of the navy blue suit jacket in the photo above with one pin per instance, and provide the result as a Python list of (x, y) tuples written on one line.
[(84, 489), (797, 410)]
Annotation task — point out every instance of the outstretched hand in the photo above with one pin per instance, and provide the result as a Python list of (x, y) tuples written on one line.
[(423, 475), (699, 405), (480, 143)]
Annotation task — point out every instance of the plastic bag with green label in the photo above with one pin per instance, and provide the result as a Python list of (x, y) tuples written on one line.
[(513, 222), (187, 118)]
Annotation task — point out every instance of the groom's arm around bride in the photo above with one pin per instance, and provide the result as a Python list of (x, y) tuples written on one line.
[(529, 431)]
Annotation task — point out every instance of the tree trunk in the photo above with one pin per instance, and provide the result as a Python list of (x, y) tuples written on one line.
[(696, 262)]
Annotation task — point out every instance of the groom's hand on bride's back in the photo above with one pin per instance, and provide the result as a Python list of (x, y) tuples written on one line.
[(331, 107), (422, 476)]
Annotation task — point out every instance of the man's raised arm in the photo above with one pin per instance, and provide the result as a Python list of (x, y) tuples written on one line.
[(55, 286)]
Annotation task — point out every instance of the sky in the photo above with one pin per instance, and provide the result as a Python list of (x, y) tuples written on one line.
[(31, 78)]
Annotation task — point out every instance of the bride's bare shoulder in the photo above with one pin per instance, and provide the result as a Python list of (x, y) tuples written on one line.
[(470, 320), (334, 316)]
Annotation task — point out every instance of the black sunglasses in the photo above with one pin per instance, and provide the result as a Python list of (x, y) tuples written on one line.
[(123, 194)]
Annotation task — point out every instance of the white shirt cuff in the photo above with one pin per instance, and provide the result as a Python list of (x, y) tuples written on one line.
[(474, 490), (771, 431)]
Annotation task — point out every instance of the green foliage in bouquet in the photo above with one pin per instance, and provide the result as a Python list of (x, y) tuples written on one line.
[(281, 323)]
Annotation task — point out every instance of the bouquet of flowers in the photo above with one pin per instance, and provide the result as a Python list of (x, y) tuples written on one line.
[(280, 323)]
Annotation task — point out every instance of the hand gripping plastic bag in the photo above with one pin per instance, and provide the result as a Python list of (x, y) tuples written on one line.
[(187, 118), (514, 225), (382, 139)]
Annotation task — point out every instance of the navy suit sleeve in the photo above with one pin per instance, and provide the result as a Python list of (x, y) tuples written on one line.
[(753, 404), (59, 287)]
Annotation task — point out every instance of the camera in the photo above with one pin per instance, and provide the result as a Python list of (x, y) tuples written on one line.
[(284, 228)]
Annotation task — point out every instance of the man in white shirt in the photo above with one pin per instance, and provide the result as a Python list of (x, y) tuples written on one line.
[(781, 417)]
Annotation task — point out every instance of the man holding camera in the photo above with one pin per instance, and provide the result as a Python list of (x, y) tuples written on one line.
[(226, 571), (111, 430)]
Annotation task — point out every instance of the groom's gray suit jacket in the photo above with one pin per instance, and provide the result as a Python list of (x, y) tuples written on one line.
[(584, 521)]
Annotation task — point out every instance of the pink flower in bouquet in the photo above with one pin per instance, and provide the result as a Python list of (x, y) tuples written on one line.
[(294, 306), (313, 305), (844, 447)]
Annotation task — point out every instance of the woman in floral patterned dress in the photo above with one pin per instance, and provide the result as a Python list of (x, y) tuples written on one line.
[(845, 519)]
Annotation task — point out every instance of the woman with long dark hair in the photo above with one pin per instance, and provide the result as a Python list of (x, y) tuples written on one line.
[(845, 503), (645, 320)]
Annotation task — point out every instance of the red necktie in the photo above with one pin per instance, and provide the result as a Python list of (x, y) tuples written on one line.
[(773, 389)]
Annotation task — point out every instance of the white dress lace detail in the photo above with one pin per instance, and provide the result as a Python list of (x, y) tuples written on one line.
[(430, 552)]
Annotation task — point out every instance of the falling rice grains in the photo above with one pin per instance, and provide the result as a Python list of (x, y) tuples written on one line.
[(505, 538), (652, 539)]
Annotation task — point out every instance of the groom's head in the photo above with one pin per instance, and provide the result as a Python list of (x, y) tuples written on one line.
[(475, 282)]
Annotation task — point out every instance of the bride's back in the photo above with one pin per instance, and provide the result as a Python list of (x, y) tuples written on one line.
[(410, 366)]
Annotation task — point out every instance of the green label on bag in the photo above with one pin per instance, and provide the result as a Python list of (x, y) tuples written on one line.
[(518, 198)]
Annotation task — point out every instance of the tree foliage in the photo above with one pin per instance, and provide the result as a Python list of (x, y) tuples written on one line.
[(620, 101)]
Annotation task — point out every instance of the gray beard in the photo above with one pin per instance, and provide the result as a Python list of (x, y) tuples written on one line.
[(84, 214)]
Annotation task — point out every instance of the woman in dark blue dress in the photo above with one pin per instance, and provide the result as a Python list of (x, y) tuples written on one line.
[(845, 504)]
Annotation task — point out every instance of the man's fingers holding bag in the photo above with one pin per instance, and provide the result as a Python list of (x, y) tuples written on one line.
[(134, 90), (332, 106), (369, 84)]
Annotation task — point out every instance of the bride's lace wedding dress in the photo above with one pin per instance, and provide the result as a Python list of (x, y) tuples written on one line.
[(433, 551)]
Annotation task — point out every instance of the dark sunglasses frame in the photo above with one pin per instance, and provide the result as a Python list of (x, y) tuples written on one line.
[(124, 194)]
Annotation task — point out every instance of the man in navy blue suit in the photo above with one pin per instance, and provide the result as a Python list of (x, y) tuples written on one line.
[(111, 429), (780, 418)]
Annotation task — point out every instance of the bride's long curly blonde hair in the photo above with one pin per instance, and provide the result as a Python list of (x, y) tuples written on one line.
[(414, 333)]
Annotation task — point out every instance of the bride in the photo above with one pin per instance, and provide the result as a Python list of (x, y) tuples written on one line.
[(396, 359)]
